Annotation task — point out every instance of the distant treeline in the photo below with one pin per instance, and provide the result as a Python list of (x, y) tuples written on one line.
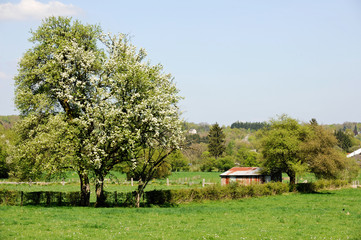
[(249, 125)]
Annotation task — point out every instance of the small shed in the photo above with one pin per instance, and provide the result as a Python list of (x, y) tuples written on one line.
[(244, 175)]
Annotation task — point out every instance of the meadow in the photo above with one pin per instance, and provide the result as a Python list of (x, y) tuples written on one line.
[(327, 215), (116, 181)]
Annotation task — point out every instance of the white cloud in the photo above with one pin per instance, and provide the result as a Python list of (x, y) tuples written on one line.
[(32, 9)]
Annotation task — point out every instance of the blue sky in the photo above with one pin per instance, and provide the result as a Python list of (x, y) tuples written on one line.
[(231, 60)]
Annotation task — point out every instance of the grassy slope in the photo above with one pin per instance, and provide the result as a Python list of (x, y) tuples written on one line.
[(296, 216)]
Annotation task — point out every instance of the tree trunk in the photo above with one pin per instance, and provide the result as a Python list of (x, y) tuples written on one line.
[(140, 193), (292, 178), (84, 189), (137, 203), (99, 188)]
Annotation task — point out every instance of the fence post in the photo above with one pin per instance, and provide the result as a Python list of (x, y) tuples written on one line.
[(203, 182), (131, 181), (167, 181)]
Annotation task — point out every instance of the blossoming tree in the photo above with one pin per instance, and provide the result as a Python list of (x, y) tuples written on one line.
[(90, 108)]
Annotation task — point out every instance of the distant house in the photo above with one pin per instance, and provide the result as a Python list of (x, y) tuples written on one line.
[(244, 175), (192, 131)]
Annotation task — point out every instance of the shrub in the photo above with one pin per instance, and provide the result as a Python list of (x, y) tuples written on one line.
[(261, 190), (73, 198), (320, 185), (196, 194), (9, 197), (277, 187), (158, 197), (233, 191), (32, 198), (126, 199), (213, 192), (167, 197), (180, 195), (306, 187)]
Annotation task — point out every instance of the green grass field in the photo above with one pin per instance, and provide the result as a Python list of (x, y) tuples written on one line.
[(117, 182), (328, 215)]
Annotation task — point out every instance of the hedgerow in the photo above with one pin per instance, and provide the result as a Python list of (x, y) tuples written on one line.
[(168, 197)]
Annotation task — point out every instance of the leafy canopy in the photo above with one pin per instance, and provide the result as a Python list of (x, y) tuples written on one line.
[(281, 146), (94, 100)]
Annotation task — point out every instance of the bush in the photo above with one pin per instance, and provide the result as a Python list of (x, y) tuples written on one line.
[(277, 187), (73, 198), (39, 198), (180, 195), (306, 187), (261, 190), (120, 199), (32, 198), (9, 197), (158, 197), (320, 185), (215, 192), (167, 197)]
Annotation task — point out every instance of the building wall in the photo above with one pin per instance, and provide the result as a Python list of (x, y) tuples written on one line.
[(245, 180)]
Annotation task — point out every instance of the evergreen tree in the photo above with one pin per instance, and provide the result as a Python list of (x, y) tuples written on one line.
[(355, 131), (216, 137)]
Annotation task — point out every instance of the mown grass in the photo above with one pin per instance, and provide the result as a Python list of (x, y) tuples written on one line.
[(327, 215)]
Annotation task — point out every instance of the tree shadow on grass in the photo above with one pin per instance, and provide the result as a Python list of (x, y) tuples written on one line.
[(315, 192)]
